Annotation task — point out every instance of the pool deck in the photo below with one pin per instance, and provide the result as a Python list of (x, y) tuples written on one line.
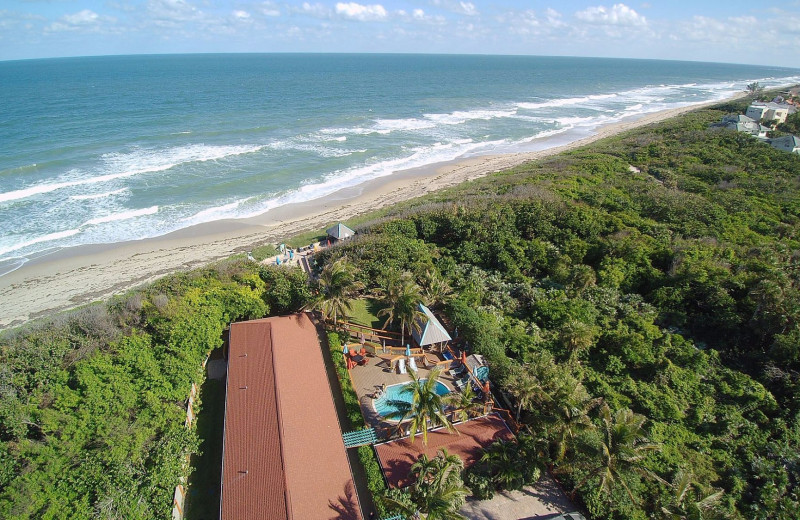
[(368, 378)]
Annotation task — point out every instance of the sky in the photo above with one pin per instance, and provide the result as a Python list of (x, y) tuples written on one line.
[(736, 31)]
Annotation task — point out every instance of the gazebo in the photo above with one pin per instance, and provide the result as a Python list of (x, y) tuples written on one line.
[(340, 232), (429, 331)]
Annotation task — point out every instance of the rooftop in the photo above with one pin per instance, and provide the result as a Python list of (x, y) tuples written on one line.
[(284, 456)]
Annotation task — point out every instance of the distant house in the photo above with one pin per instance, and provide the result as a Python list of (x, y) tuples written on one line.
[(744, 124), (761, 111), (340, 232), (787, 143)]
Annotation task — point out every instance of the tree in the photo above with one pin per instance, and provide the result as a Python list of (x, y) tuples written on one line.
[(621, 451), (690, 500), (336, 286), (463, 403), (754, 88), (576, 337), (426, 406), (569, 415), (437, 491), (402, 301), (435, 289), (504, 464)]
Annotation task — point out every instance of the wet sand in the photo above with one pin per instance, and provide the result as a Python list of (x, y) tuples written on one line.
[(75, 276)]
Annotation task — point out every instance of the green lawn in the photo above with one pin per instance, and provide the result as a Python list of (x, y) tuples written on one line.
[(364, 312), (202, 500)]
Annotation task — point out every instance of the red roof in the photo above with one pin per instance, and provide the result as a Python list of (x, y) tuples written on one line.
[(283, 451), (397, 456)]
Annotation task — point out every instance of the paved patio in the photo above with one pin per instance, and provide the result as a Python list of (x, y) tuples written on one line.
[(368, 378)]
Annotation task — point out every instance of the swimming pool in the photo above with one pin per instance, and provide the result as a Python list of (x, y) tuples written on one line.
[(384, 405)]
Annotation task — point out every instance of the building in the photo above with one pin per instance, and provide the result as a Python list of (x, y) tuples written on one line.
[(761, 111), (787, 143), (743, 124), (340, 232), (428, 330), (283, 452)]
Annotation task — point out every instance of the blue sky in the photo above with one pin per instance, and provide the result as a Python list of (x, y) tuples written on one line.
[(738, 31)]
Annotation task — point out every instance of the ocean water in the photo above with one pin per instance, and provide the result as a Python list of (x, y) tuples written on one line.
[(108, 149)]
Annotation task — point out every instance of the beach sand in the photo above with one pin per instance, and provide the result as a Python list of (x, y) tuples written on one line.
[(80, 275)]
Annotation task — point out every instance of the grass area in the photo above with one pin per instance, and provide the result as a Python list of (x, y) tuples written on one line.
[(203, 497), (365, 312), (262, 252)]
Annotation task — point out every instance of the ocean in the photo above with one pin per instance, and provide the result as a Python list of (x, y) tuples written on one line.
[(109, 149)]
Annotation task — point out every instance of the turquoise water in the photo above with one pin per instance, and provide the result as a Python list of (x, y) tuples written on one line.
[(384, 404), (106, 149)]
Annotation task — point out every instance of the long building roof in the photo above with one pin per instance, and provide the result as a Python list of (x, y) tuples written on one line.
[(284, 456)]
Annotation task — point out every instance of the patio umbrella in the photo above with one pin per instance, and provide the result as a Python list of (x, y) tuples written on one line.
[(408, 350)]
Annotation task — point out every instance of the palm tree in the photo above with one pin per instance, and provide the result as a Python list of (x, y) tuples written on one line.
[(504, 464), (437, 472), (621, 451), (682, 508), (426, 406), (463, 403), (576, 337), (435, 288), (336, 286), (438, 490), (402, 304), (525, 387), (568, 414)]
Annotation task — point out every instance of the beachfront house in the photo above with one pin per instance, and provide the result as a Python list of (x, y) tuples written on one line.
[(742, 123), (283, 452), (771, 111), (787, 143), (339, 232)]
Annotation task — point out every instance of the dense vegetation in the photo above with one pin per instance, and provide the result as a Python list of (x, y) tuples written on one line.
[(639, 304), (638, 301), (93, 403)]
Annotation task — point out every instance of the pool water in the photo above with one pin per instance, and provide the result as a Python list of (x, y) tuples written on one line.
[(384, 405)]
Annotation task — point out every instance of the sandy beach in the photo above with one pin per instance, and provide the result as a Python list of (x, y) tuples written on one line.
[(77, 276)]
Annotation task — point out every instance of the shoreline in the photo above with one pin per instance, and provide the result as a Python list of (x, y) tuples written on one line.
[(75, 276)]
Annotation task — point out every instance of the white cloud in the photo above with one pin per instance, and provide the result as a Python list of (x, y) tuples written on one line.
[(468, 8), (315, 10), (362, 13), (241, 15), (85, 20), (270, 9), (419, 14), (457, 6), (618, 14), (171, 13)]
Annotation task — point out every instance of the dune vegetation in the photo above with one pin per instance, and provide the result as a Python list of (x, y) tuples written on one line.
[(638, 301)]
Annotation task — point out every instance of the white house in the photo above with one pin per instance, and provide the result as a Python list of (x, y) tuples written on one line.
[(787, 143), (760, 111)]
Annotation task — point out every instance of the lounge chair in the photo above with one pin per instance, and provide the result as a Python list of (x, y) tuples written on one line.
[(412, 364), (401, 366)]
